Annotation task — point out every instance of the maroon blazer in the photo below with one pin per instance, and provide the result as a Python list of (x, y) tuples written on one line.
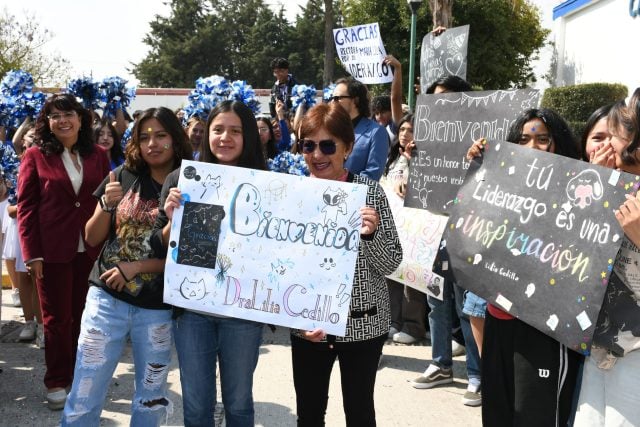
[(50, 215)]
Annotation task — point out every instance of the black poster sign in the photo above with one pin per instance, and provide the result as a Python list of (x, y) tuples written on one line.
[(535, 234), (199, 234), (445, 126), (442, 55)]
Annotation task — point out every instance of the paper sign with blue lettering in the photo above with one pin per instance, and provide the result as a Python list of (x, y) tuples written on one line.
[(535, 235), (361, 52), (263, 246)]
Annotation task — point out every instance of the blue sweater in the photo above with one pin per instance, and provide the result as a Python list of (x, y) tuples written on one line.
[(370, 150)]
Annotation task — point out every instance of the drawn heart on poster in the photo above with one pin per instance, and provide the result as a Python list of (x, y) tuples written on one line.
[(454, 64)]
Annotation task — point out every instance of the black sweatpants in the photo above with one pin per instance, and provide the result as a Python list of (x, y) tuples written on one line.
[(528, 378), (312, 364)]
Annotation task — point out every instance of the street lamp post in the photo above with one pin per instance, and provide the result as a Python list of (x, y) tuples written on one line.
[(414, 5)]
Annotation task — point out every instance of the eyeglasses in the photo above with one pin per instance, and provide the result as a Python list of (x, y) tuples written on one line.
[(263, 130), (68, 115), (327, 146), (336, 98), (538, 139)]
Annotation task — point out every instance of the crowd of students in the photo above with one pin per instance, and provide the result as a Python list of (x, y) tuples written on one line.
[(87, 254)]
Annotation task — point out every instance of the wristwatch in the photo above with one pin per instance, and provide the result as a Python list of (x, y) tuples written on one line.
[(104, 206)]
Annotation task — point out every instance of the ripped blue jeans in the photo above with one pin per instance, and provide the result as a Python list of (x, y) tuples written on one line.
[(106, 323)]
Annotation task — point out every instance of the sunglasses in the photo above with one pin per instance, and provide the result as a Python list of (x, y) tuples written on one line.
[(336, 98), (327, 146)]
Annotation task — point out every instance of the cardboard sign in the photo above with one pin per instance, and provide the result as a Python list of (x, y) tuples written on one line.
[(535, 234), (361, 52), (444, 55), (420, 232), (445, 126), (263, 246)]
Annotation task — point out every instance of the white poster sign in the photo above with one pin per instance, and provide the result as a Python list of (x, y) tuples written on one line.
[(361, 52), (263, 246), (420, 232)]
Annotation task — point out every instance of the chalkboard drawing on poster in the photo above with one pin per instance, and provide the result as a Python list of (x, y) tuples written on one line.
[(200, 229), (535, 234), (443, 55), (445, 126)]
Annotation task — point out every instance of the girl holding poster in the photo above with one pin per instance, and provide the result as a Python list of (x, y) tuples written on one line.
[(528, 378), (201, 339), (611, 379), (326, 140), (126, 282)]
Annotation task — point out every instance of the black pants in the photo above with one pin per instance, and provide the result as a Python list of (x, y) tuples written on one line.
[(312, 364), (528, 378)]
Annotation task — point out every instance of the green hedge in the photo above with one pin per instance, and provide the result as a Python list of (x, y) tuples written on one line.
[(576, 103)]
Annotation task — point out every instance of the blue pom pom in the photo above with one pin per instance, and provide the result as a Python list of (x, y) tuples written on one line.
[(327, 92), (87, 90), (303, 94), (286, 162), (115, 95), (17, 99)]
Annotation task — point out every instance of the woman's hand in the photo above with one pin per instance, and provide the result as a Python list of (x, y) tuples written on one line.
[(174, 200), (628, 215), (281, 109), (117, 277), (370, 220), (392, 61), (476, 149), (604, 155), (400, 188), (438, 30), (406, 151), (35, 268), (316, 335), (112, 191)]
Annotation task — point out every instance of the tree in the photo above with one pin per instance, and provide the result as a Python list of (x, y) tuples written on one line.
[(442, 12), (504, 39), (179, 50), (22, 48), (329, 50), (233, 38)]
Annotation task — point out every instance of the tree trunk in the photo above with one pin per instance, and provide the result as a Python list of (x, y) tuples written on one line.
[(329, 50), (442, 12)]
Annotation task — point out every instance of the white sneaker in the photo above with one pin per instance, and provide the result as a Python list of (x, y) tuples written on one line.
[(404, 338), (457, 349), (28, 332), (40, 336), (392, 332), (15, 297)]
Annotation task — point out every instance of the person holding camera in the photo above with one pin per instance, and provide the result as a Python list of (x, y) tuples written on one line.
[(283, 85)]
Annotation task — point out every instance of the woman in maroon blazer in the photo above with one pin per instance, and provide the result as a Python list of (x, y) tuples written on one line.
[(55, 200)]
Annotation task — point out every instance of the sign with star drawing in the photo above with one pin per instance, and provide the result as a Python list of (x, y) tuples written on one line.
[(263, 246), (535, 234), (444, 127)]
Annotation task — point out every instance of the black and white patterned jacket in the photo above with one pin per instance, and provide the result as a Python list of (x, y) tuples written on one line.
[(378, 255)]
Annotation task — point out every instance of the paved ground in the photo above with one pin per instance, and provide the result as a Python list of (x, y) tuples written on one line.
[(22, 401)]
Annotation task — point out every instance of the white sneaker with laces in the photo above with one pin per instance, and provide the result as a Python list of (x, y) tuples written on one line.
[(28, 332)]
